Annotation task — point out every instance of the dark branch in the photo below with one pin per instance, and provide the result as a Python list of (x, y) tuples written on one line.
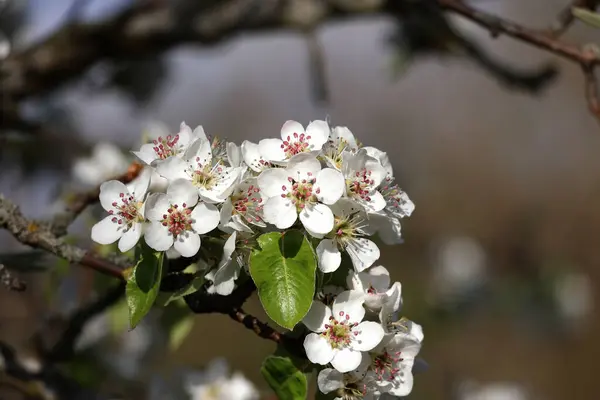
[(64, 349)]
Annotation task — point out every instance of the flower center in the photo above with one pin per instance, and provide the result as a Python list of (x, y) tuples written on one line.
[(178, 220), (394, 196), (165, 147), (127, 210), (301, 192), (248, 203), (205, 175), (333, 151), (296, 144), (360, 184), (385, 365), (346, 228), (353, 389), (339, 333)]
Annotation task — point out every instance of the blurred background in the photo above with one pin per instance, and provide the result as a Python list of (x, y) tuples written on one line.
[(500, 264)]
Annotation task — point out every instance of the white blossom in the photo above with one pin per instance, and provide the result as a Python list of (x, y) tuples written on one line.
[(363, 174), (244, 207), (340, 141), (125, 205), (347, 235), (177, 219), (215, 383), (106, 162), (213, 179), (252, 157), (398, 205), (165, 147), (223, 277), (340, 336), (392, 362), (353, 385), (375, 284), (304, 189), (295, 140)]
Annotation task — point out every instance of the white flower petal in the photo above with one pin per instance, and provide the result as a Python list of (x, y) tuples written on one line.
[(185, 134), (363, 253), (271, 149), (173, 168), (158, 236), (139, 186), (225, 277), (131, 237), (318, 131), (182, 193), (317, 218), (205, 218), (187, 243), (379, 278), (252, 157), (318, 350), (330, 185), (146, 153), (349, 302), (346, 360), (272, 181), (106, 231), (280, 212), (199, 133), (329, 256), (342, 133), (317, 317), (303, 166), (370, 335), (394, 296), (403, 384), (157, 205), (234, 154), (330, 380), (289, 128), (110, 192)]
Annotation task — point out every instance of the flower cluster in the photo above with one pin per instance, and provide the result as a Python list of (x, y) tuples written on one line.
[(317, 179)]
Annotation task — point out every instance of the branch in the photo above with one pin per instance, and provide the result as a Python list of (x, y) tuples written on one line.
[(566, 18), (587, 59), (65, 347), (39, 235), (9, 281), (81, 201)]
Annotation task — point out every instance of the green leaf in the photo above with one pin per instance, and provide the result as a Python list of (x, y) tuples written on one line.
[(283, 270), (586, 16), (287, 381), (143, 284)]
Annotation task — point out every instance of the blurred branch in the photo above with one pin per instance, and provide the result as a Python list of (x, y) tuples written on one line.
[(39, 235), (81, 201), (148, 28), (565, 18), (9, 281), (587, 58), (65, 347)]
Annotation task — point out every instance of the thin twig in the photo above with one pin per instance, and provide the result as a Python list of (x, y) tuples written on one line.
[(81, 201), (565, 18), (10, 281)]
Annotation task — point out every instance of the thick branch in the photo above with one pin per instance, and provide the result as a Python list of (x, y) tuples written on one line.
[(9, 281), (40, 236)]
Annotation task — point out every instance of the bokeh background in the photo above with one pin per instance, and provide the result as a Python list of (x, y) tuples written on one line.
[(500, 264)]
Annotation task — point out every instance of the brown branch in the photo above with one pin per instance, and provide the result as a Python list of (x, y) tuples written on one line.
[(39, 235), (81, 201), (587, 59)]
